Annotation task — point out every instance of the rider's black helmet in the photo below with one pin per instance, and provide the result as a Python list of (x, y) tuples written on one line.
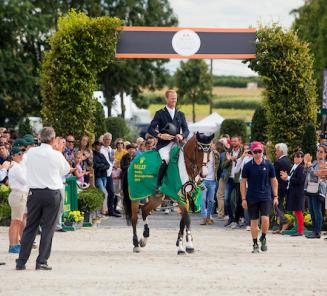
[(170, 129)]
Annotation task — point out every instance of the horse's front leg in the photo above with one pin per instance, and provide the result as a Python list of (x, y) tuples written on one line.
[(182, 224), (189, 238), (153, 203), (135, 210)]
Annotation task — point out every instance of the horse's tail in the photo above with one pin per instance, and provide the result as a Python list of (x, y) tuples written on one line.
[(127, 208)]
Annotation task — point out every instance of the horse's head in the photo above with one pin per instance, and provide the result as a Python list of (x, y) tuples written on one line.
[(196, 153), (204, 146)]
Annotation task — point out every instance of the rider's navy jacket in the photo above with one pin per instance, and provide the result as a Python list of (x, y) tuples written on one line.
[(161, 118)]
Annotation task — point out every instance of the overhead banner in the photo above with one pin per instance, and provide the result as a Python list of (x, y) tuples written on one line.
[(196, 43)]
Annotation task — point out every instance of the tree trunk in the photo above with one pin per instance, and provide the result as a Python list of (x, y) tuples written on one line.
[(122, 105), (109, 105), (211, 94), (193, 110)]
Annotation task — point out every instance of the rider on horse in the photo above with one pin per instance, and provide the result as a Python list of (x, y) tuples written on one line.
[(168, 126)]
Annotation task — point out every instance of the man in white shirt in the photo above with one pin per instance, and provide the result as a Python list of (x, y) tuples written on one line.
[(45, 168), (108, 153)]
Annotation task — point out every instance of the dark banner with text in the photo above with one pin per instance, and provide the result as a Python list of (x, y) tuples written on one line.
[(197, 43)]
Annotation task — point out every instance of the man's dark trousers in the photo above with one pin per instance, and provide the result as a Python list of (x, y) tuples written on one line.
[(111, 195), (42, 209)]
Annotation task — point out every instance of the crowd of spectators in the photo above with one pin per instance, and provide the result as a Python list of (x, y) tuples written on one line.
[(300, 184), (96, 164)]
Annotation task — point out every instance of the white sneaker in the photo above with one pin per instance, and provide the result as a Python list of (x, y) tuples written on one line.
[(248, 228), (233, 225), (167, 211)]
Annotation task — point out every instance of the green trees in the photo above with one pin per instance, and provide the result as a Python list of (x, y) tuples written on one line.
[(130, 76), (259, 125), (286, 68), (311, 25), (193, 82), (234, 127), (22, 29), (80, 49), (309, 140), (100, 124), (118, 128)]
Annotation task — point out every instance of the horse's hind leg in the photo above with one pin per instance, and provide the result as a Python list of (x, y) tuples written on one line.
[(135, 210), (153, 203)]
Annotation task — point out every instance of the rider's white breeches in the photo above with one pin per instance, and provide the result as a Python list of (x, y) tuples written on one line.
[(165, 151)]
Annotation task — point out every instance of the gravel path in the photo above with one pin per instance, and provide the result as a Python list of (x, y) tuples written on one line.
[(100, 261)]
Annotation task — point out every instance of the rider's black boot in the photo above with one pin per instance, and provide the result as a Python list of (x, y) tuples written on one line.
[(161, 173)]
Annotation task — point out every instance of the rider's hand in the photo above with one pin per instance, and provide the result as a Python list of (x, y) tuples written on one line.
[(166, 137), (179, 138)]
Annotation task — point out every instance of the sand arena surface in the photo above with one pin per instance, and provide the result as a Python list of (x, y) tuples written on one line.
[(100, 261)]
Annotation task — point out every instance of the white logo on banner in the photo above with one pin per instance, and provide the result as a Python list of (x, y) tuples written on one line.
[(186, 42)]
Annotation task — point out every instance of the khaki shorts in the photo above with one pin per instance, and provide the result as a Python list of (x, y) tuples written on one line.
[(17, 201)]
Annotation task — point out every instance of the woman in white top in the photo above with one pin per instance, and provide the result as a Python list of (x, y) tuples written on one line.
[(17, 199)]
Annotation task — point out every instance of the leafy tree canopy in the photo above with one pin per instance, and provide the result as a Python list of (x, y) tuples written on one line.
[(194, 83), (285, 65)]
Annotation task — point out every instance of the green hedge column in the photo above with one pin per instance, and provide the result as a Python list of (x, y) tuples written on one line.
[(81, 48)]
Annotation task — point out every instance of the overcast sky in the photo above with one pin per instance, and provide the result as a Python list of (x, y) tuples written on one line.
[(231, 14)]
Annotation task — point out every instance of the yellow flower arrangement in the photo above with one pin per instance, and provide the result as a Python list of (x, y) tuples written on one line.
[(76, 216), (289, 217), (307, 219)]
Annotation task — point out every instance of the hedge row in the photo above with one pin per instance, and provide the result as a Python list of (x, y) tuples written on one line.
[(235, 81), (236, 104)]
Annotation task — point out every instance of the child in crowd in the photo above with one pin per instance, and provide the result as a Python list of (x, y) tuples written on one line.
[(79, 172)]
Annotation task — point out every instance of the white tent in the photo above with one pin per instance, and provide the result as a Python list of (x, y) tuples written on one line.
[(208, 125)]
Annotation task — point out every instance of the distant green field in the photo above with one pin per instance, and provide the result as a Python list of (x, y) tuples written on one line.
[(220, 93)]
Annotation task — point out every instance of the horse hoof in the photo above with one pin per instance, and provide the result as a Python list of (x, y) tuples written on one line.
[(142, 243), (136, 250), (190, 250), (180, 252)]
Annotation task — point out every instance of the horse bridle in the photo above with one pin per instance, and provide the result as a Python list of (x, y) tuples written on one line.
[(206, 150)]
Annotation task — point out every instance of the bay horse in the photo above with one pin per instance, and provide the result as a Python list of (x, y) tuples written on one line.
[(195, 155)]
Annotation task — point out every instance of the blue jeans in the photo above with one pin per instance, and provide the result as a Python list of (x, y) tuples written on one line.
[(230, 185), (101, 184), (208, 198), (315, 208)]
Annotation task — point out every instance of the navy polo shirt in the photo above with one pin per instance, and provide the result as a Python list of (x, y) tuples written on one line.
[(258, 178)]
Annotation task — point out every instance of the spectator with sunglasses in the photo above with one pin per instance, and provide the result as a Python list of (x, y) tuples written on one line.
[(259, 175), (17, 199), (69, 150), (120, 150)]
